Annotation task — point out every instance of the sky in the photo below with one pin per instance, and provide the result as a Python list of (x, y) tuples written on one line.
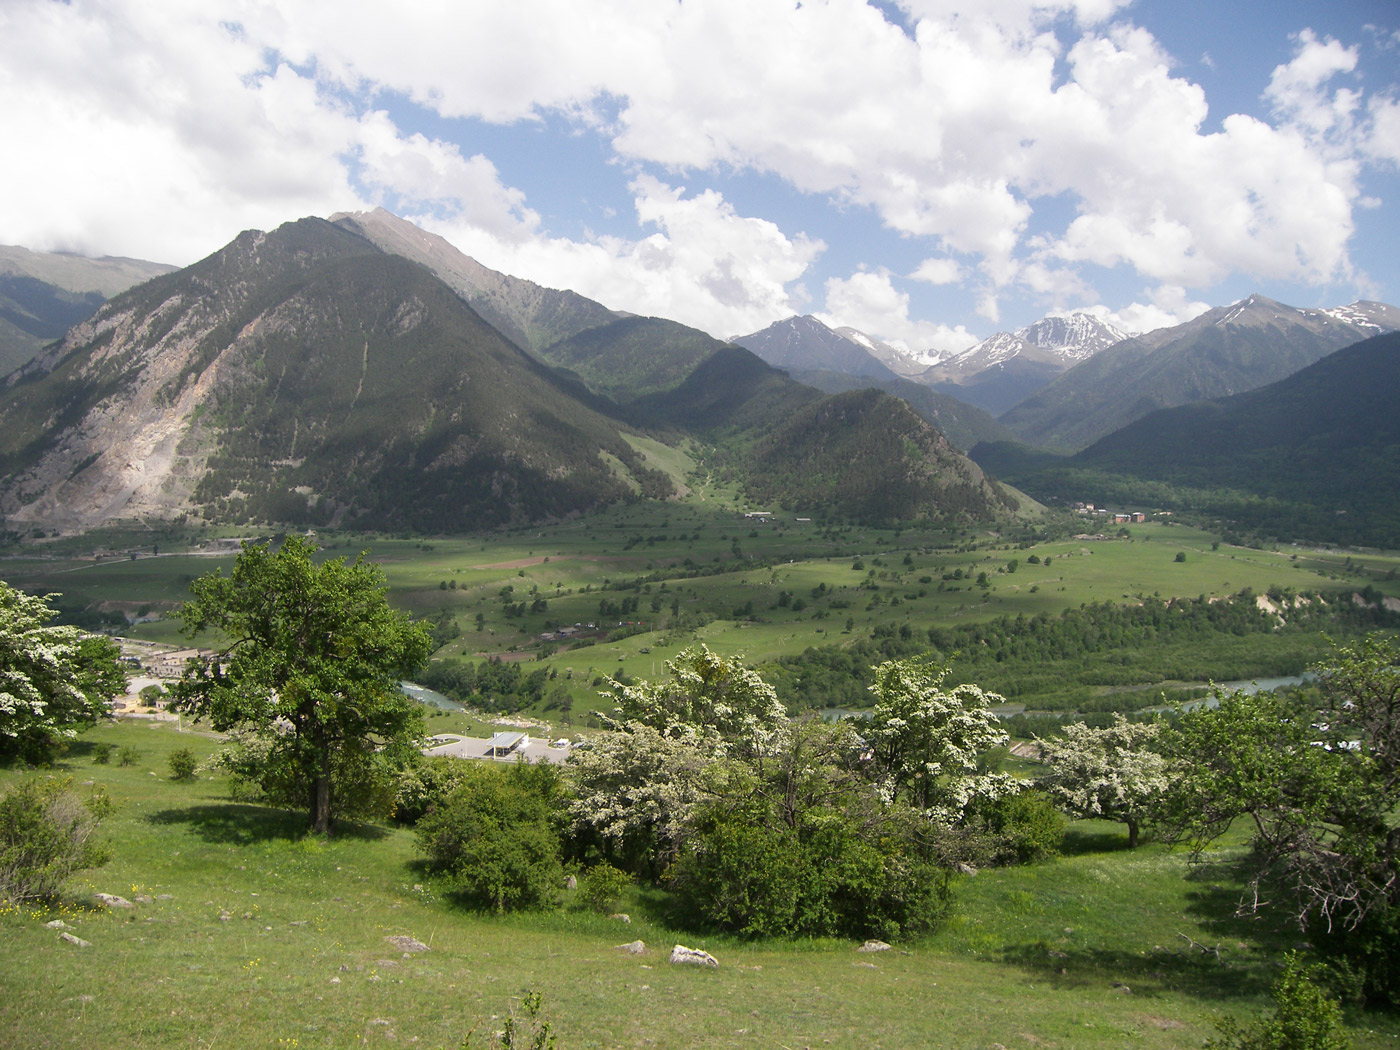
[(927, 171)]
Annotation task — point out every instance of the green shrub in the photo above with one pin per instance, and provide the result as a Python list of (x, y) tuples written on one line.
[(822, 879), (46, 834), (183, 764), (1025, 827), (102, 753), (602, 887), (494, 839), (128, 756), (425, 785), (1304, 1017)]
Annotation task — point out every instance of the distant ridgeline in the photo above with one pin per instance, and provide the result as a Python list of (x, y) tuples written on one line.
[(1314, 456), (1067, 662)]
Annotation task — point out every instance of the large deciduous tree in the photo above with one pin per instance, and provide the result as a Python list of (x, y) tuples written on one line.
[(1322, 788), (1112, 772), (311, 658), (53, 680)]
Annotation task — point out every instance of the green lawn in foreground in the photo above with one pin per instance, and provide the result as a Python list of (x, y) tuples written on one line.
[(1032, 956)]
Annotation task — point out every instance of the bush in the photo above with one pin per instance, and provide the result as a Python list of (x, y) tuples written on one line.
[(46, 834), (425, 785), (128, 756), (1304, 1018), (820, 880), (1025, 827), (494, 839), (183, 764), (602, 887), (102, 753)]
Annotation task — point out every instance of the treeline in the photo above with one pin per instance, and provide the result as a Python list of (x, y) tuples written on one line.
[(1065, 662), (492, 685)]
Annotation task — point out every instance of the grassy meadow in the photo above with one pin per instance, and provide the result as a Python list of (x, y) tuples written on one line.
[(248, 934), (653, 578)]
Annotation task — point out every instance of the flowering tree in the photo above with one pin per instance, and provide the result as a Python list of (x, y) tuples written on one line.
[(927, 740), (53, 681), (707, 698), (1112, 772), (634, 789)]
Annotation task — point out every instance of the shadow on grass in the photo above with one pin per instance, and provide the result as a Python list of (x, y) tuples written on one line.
[(1099, 837), (1237, 958), (243, 824)]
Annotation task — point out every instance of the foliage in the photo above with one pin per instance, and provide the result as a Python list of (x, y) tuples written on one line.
[(1114, 772), (102, 753), (46, 834), (53, 681), (926, 740), (798, 842), (1056, 661), (494, 838), (631, 793), (183, 764), (128, 756), (425, 784), (709, 698), (1320, 788), (1304, 1018), (312, 657), (1023, 828), (529, 1032), (602, 886)]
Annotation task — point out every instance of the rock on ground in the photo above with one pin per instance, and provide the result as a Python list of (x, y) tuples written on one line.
[(684, 956), (407, 944)]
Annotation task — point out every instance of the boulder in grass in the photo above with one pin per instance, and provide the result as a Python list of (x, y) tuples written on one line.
[(113, 901), (407, 944), (77, 942), (633, 947), (874, 946), (683, 956)]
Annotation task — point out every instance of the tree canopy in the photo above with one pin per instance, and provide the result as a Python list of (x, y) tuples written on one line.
[(311, 659), (53, 680), (1320, 787), (1111, 772)]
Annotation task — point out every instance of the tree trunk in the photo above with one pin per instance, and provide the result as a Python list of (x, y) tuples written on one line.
[(321, 798), (1132, 834)]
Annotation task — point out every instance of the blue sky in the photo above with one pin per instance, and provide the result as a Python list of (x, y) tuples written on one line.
[(929, 171)]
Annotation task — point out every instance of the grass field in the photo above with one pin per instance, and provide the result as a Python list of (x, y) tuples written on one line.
[(255, 936)]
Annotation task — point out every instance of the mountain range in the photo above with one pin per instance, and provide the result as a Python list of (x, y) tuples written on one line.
[(1312, 456), (1003, 370), (1228, 350), (362, 372), (309, 376)]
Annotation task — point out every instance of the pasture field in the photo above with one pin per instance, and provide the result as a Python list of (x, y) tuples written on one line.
[(638, 583), (249, 934)]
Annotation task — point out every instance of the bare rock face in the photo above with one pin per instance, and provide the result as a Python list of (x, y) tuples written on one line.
[(683, 956)]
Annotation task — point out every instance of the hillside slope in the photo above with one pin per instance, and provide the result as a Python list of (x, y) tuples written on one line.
[(301, 376), (1225, 351), (907, 470)]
